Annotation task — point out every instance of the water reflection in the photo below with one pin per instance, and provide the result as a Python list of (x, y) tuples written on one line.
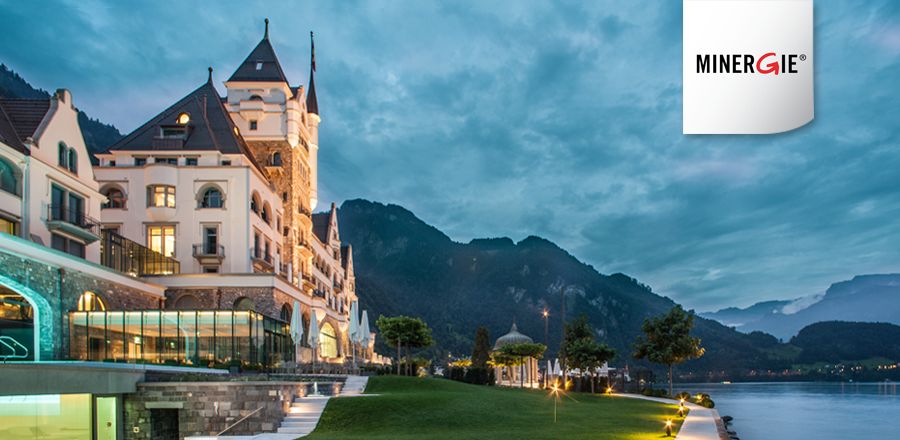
[(829, 411)]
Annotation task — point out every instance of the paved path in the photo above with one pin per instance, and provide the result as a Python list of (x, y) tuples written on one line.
[(700, 423)]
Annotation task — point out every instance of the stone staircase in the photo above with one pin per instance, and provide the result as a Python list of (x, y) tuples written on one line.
[(303, 416), (354, 386)]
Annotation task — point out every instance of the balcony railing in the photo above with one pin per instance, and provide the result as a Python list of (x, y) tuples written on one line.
[(74, 217), (209, 250), (124, 255), (262, 259)]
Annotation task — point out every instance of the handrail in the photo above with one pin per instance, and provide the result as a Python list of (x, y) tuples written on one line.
[(3, 341), (239, 421)]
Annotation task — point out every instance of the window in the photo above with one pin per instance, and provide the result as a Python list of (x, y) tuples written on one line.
[(255, 98), (176, 132), (190, 161), (285, 314), (161, 238), (226, 163), (66, 206), (212, 198), (67, 245), (67, 158), (168, 160), (253, 124), (8, 227), (328, 341), (112, 163), (284, 197), (256, 245), (210, 269), (244, 303), (90, 302), (254, 203), (210, 240), (183, 119), (140, 161), (161, 196), (276, 159), (9, 177), (259, 65), (115, 198), (266, 214)]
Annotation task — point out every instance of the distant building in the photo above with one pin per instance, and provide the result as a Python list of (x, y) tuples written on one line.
[(526, 373)]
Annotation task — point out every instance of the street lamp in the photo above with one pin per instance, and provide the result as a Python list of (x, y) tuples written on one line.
[(546, 315), (669, 428)]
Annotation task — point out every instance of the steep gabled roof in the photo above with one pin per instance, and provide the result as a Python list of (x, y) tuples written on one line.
[(8, 133), (210, 127), (23, 116), (321, 222), (263, 57)]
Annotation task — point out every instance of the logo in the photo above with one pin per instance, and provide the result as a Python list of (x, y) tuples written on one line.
[(747, 66), (768, 63)]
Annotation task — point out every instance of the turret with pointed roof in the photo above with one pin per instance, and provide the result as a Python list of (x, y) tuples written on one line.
[(312, 104), (261, 65)]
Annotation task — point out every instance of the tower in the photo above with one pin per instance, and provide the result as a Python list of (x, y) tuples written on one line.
[(279, 123)]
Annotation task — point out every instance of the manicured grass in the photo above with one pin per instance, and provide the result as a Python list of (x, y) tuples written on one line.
[(413, 408)]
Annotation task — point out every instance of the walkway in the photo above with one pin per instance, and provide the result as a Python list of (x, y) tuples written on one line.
[(700, 423)]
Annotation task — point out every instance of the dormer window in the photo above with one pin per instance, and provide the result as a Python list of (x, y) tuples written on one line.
[(183, 119), (174, 132), (253, 125), (255, 98), (259, 65)]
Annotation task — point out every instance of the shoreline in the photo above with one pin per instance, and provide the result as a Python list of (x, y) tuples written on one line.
[(701, 423)]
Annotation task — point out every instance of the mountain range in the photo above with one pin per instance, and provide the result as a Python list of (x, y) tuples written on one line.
[(868, 298)]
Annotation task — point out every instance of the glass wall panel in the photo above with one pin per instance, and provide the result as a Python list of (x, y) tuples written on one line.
[(134, 340), (96, 336), (242, 336), (224, 337), (115, 334), (78, 334), (151, 339), (171, 345), (188, 333), (51, 416), (206, 337)]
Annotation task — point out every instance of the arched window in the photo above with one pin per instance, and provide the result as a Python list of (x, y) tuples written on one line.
[(255, 98), (244, 303), (67, 157), (254, 203), (90, 302), (276, 159), (212, 198), (115, 198), (286, 313), (9, 177), (266, 213), (328, 344), (187, 302)]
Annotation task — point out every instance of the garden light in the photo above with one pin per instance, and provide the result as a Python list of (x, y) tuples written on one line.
[(669, 428)]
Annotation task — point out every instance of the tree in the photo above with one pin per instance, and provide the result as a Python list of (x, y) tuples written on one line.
[(667, 340), (521, 351), (403, 330), (481, 351), (580, 350), (588, 355)]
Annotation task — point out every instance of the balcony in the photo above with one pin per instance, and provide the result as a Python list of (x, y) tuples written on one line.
[(262, 262), (126, 256), (73, 222), (209, 253)]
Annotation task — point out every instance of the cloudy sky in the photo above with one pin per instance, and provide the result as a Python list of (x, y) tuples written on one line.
[(515, 118)]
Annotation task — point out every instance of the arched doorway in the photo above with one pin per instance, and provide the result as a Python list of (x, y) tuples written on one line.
[(16, 326), (42, 331), (328, 343)]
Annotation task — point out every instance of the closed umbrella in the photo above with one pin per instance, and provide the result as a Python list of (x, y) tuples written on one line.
[(364, 333), (556, 369), (313, 337), (354, 329), (296, 325)]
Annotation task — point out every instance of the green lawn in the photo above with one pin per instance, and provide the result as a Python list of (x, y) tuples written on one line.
[(412, 408)]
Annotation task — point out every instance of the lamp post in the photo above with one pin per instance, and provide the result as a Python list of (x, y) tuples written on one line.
[(669, 428), (546, 315)]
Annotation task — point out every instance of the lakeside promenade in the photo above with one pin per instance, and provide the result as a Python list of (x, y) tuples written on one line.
[(700, 424)]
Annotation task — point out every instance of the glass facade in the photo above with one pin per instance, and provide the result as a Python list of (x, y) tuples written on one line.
[(124, 255), (184, 337), (55, 416)]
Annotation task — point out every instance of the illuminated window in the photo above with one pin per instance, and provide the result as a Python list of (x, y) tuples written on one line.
[(90, 302), (162, 196), (8, 226), (9, 177), (162, 239), (184, 118), (328, 341)]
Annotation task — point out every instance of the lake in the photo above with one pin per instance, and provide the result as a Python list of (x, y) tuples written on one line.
[(802, 410)]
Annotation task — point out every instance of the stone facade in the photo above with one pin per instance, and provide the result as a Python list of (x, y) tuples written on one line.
[(207, 408), (56, 291)]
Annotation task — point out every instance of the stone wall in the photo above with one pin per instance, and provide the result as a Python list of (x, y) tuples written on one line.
[(207, 408), (267, 300), (60, 288)]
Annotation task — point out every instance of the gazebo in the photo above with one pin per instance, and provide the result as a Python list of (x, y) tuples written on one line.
[(525, 374)]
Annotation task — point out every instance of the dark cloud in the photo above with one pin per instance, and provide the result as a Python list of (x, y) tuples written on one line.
[(558, 119)]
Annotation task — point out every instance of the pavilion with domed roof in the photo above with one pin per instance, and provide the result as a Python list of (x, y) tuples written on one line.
[(524, 375)]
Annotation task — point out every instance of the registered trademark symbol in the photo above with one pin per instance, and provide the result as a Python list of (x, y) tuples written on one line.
[(803, 57)]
